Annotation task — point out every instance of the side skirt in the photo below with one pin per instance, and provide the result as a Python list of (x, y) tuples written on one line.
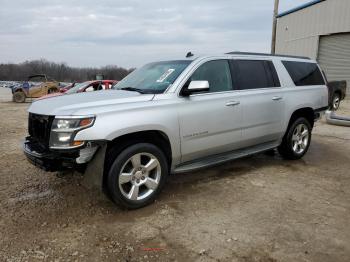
[(223, 158)]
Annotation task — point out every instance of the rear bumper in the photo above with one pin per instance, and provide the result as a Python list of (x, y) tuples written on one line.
[(58, 160)]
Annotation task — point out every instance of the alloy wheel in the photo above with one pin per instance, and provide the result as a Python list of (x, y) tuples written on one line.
[(140, 176), (300, 138), (336, 103)]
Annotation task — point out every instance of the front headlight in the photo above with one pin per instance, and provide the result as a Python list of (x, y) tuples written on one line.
[(64, 129)]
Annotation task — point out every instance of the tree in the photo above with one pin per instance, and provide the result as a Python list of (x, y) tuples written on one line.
[(59, 71)]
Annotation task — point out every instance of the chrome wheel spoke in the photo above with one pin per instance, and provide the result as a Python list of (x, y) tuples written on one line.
[(294, 138), (136, 160), (125, 178), (152, 164), (299, 127), (151, 183), (304, 133), (295, 146), (134, 192)]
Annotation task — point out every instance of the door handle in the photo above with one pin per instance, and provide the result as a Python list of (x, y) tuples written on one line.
[(233, 103), (276, 98)]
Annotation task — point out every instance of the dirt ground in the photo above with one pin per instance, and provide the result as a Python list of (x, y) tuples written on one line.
[(260, 208)]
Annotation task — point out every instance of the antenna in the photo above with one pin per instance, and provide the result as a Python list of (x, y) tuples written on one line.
[(189, 54)]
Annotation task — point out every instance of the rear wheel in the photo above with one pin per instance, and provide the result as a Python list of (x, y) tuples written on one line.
[(297, 140), (19, 97), (336, 101), (137, 175)]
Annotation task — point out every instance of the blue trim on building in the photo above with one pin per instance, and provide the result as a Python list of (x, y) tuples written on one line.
[(299, 8)]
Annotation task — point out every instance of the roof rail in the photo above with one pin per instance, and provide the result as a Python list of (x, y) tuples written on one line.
[(265, 54)]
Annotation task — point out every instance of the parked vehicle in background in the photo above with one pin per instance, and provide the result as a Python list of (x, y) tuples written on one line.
[(337, 93), (87, 86), (8, 84), (65, 88), (179, 116), (36, 86), (93, 85)]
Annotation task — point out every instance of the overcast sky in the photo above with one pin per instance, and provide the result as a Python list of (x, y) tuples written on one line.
[(130, 33)]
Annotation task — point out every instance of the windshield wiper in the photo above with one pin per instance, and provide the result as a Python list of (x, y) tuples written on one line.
[(129, 88)]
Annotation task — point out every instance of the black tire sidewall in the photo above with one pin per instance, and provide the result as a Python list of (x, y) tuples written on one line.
[(119, 161), (286, 149)]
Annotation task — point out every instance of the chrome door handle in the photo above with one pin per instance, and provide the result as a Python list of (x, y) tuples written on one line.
[(233, 103), (276, 98)]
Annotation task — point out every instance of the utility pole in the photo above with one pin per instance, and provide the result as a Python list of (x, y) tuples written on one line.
[(274, 27)]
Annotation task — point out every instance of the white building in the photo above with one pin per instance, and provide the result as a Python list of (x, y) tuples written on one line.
[(320, 30)]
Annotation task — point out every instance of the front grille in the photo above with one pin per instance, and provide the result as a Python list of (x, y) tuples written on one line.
[(39, 127)]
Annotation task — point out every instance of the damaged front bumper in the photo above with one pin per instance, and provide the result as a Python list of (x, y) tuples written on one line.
[(59, 160)]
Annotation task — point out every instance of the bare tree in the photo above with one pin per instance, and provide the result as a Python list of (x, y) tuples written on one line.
[(59, 71)]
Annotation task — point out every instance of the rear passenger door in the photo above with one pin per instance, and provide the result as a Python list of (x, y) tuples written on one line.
[(261, 100)]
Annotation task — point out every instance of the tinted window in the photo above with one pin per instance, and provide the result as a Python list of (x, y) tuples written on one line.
[(217, 73), (304, 74), (252, 74), (273, 72)]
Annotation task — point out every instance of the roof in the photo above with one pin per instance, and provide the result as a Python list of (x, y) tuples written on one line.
[(265, 54), (299, 8)]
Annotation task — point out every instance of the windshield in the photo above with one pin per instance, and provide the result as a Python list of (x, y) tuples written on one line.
[(75, 88), (154, 77)]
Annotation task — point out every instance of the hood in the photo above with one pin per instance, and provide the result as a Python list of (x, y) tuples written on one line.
[(86, 103)]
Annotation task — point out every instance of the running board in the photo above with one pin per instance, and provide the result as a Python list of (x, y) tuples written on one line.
[(222, 158)]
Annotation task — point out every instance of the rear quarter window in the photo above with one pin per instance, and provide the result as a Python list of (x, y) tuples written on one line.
[(304, 74)]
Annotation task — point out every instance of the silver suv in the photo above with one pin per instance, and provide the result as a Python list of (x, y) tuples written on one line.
[(178, 116)]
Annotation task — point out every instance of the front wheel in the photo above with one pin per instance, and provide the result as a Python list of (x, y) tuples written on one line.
[(19, 97), (297, 140), (137, 175)]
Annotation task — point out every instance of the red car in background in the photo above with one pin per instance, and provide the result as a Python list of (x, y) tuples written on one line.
[(93, 85), (65, 88), (87, 86)]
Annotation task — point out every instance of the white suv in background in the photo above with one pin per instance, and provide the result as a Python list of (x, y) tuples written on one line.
[(178, 116)]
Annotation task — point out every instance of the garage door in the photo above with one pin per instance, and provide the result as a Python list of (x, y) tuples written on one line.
[(334, 57)]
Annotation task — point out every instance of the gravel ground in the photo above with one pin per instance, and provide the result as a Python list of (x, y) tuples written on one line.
[(260, 208)]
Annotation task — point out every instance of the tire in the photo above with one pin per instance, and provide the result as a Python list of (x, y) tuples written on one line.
[(130, 183), (336, 102), (51, 91), (297, 140), (19, 97)]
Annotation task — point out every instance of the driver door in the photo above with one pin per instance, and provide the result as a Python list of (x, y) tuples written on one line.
[(210, 123)]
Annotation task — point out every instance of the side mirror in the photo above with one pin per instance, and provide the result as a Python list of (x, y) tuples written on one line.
[(196, 87), (89, 89)]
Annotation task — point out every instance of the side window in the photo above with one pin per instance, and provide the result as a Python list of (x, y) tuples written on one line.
[(273, 72), (304, 74), (217, 73), (253, 74)]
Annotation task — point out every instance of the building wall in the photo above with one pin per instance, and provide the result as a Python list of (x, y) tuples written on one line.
[(298, 33)]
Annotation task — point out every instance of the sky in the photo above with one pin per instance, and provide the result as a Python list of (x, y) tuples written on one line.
[(130, 33)]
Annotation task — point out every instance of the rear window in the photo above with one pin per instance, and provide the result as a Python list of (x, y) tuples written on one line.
[(253, 74), (304, 74)]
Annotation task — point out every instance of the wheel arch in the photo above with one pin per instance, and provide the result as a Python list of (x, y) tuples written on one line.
[(118, 144), (306, 112)]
